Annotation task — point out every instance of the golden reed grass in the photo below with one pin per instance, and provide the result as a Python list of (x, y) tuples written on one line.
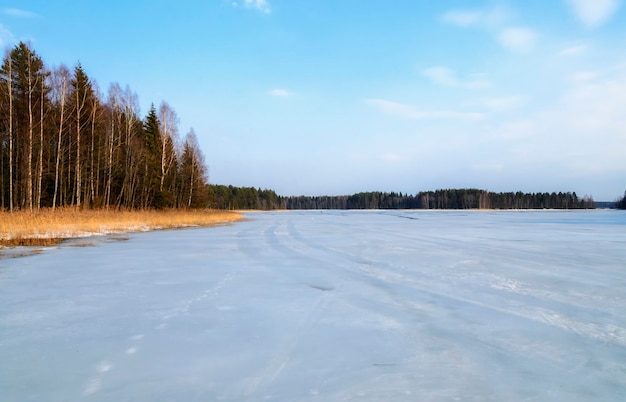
[(48, 227)]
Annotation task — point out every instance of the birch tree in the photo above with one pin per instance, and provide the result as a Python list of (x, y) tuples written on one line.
[(132, 148), (60, 81), (82, 94), (6, 75), (44, 90), (27, 71), (193, 173), (60, 145), (168, 129)]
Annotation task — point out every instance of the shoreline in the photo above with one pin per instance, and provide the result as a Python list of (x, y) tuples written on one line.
[(48, 228)]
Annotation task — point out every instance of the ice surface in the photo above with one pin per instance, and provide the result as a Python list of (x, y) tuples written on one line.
[(326, 306)]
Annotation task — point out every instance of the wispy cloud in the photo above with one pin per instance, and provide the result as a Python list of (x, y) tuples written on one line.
[(391, 157), (487, 18), (583, 76), (593, 13), (447, 77), (496, 21), (16, 12), (280, 92), (260, 5), (505, 102), (520, 40), (581, 132), (6, 37), (607, 74), (412, 113), (572, 50), (462, 18)]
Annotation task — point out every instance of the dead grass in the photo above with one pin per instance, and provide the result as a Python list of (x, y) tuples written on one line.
[(83, 244), (118, 238), (30, 242), (25, 253), (47, 227)]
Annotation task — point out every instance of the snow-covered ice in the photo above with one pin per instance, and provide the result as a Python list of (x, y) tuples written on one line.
[(326, 306)]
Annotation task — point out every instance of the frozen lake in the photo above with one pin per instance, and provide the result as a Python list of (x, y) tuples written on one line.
[(326, 306)]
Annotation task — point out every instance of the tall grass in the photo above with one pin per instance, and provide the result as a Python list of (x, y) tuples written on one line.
[(45, 227)]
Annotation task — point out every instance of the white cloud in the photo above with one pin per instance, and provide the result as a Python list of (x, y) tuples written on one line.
[(280, 92), (582, 76), (602, 75), (391, 157), (488, 18), (505, 102), (520, 40), (447, 77), (511, 130), (593, 13), (261, 5), (591, 115), (412, 113), (488, 167), (6, 37), (16, 12), (462, 18), (496, 22), (582, 132), (572, 50)]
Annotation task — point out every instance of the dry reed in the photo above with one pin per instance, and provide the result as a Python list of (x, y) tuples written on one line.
[(48, 227)]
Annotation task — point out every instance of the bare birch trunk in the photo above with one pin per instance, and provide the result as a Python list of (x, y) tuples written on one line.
[(10, 79), (193, 160), (164, 135), (107, 193), (77, 169), (93, 134), (40, 173), (29, 177), (56, 170)]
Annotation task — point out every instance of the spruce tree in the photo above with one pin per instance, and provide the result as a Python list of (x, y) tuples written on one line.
[(153, 149)]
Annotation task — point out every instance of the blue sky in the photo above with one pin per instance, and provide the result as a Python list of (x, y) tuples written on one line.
[(341, 96)]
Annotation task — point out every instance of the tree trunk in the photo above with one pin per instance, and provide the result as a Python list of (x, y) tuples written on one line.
[(93, 167), (193, 159), (79, 107), (29, 177), (40, 172), (107, 193), (56, 170), (10, 79), (163, 143)]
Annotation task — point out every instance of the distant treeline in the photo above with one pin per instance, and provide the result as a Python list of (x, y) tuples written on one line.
[(229, 197), (621, 203), (444, 199)]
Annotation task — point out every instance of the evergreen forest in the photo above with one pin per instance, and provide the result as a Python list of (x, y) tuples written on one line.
[(230, 197)]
